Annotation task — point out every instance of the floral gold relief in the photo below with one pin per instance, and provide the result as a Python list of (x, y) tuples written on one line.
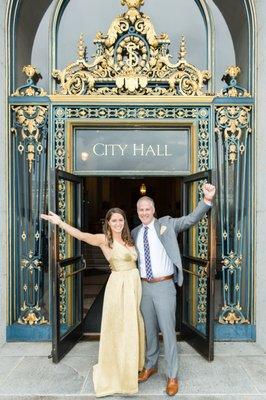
[(232, 121), (30, 89), (29, 121), (233, 89), (131, 59)]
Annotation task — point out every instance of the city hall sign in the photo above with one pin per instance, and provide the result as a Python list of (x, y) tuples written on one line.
[(131, 150)]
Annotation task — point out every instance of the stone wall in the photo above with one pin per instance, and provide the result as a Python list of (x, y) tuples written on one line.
[(3, 177), (260, 193), (260, 227)]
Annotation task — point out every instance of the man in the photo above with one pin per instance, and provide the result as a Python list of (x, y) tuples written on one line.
[(160, 266)]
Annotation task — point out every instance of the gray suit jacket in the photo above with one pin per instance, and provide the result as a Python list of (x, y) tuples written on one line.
[(168, 228)]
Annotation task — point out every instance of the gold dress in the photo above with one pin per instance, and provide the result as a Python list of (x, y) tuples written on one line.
[(121, 352)]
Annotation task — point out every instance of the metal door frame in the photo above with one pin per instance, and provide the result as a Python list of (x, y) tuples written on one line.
[(204, 344), (62, 345)]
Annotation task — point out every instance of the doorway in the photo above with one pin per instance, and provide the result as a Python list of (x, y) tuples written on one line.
[(101, 194), (195, 314)]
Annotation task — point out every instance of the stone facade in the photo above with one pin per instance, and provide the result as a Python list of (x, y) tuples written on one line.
[(260, 215), (3, 177), (260, 164)]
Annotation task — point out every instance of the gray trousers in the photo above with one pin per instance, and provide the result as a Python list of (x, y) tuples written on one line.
[(158, 307)]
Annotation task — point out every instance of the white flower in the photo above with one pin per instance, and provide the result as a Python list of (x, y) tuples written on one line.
[(163, 229)]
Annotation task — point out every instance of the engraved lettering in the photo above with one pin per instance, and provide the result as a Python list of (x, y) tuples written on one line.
[(99, 149), (150, 150), (137, 148)]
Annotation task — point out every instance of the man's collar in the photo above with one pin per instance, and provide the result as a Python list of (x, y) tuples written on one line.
[(150, 225)]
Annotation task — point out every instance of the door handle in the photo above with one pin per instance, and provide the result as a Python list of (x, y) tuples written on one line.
[(79, 270)]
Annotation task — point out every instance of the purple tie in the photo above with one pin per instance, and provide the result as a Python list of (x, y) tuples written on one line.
[(147, 255)]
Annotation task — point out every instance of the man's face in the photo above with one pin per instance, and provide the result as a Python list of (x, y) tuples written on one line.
[(145, 211)]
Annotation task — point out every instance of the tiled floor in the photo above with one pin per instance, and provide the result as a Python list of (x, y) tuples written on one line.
[(237, 372)]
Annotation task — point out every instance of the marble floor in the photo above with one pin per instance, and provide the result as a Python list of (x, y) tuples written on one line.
[(237, 372)]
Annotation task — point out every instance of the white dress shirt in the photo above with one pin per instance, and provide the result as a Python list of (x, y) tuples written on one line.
[(160, 262)]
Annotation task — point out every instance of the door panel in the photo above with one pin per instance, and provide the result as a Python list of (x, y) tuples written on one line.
[(197, 292), (66, 264)]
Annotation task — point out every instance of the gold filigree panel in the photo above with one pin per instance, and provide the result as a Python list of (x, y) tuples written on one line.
[(131, 59)]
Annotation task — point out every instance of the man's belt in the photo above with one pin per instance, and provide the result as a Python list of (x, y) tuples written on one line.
[(159, 279)]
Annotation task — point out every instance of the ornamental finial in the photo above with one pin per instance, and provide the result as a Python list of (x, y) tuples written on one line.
[(182, 48), (81, 48), (133, 3)]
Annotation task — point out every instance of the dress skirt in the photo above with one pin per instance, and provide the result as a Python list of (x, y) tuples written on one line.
[(121, 352)]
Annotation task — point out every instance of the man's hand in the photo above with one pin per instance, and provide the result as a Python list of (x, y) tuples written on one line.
[(209, 192)]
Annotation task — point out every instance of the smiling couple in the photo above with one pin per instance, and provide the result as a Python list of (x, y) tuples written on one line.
[(135, 294)]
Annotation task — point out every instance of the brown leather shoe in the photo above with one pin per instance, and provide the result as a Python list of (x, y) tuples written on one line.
[(146, 373), (172, 386)]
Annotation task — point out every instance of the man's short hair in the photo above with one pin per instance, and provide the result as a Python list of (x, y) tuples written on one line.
[(146, 198)]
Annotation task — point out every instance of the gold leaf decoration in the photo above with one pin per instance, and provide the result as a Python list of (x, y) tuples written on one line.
[(131, 59)]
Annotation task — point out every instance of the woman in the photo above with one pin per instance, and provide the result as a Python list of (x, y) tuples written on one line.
[(121, 353)]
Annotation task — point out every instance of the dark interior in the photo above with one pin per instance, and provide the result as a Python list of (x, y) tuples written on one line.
[(101, 194)]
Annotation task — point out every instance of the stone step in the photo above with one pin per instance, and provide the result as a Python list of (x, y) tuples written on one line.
[(238, 372), (152, 396)]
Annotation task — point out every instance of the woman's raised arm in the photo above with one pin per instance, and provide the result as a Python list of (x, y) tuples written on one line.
[(94, 240)]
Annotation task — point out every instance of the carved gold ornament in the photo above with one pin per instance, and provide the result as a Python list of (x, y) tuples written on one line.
[(29, 120), (31, 313), (231, 122), (231, 317), (233, 89), (131, 59), (32, 319), (232, 314), (30, 89)]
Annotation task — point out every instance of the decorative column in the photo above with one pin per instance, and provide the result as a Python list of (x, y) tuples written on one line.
[(234, 168), (29, 111)]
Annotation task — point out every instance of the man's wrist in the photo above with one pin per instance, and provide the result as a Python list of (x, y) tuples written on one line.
[(208, 202)]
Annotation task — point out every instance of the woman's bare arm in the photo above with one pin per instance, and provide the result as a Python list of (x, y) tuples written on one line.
[(94, 240)]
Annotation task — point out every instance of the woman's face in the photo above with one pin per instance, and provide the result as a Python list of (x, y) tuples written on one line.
[(116, 223)]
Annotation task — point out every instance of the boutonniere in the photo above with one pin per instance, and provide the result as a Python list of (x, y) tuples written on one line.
[(163, 229)]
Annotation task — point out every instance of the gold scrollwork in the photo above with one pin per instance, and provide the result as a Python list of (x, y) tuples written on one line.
[(233, 89), (231, 121), (31, 314), (30, 89), (232, 313), (32, 319), (30, 118), (232, 317), (131, 59)]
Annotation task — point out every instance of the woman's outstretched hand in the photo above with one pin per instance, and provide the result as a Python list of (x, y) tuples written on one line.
[(52, 217)]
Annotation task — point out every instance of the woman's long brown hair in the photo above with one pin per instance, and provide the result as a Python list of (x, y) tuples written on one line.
[(126, 237)]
